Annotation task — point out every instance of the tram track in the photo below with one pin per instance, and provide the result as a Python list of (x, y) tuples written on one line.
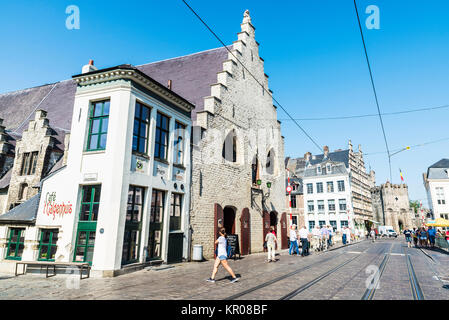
[(309, 284), (414, 283), (371, 290), (285, 276)]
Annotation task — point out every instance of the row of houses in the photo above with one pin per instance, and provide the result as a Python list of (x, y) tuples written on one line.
[(335, 189), (128, 166)]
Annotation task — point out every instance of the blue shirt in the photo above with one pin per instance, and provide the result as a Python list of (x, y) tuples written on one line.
[(432, 232)]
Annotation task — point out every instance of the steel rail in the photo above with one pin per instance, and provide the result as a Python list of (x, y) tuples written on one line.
[(414, 283), (370, 292), (270, 282)]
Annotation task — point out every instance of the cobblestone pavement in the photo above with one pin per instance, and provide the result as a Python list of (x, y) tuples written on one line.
[(338, 274)]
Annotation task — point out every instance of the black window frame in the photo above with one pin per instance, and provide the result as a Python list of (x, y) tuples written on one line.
[(178, 143), (141, 122), (159, 145), (176, 221)]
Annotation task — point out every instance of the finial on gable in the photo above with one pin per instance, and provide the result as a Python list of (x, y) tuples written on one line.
[(246, 17)]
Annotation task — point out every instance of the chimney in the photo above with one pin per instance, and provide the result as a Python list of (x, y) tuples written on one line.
[(89, 67), (326, 151), (307, 156), (169, 84), (350, 145)]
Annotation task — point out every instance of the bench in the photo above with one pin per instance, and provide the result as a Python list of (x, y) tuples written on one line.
[(48, 264)]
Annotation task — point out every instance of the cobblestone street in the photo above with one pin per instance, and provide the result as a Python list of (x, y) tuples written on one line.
[(337, 274)]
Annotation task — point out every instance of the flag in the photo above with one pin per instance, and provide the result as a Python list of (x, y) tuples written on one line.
[(402, 178)]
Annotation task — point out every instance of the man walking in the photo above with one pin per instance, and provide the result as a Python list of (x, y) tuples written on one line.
[(331, 232), (293, 241), (432, 233), (303, 236), (408, 237), (316, 234), (324, 237)]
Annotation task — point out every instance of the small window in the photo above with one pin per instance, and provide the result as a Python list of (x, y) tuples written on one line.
[(309, 188), (293, 201), (330, 186), (319, 187), (311, 225), (179, 143), (162, 135), (98, 125), (141, 128), (342, 204), (29, 162), (331, 204), (229, 151), (341, 185), (23, 191), (344, 223), (310, 206), (270, 162), (16, 243), (321, 206), (322, 223)]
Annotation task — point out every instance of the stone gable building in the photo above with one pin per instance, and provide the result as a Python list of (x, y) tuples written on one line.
[(391, 206)]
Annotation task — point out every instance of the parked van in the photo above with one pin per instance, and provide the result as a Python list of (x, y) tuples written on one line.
[(387, 231)]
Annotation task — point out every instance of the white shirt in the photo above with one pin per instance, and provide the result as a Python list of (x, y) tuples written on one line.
[(303, 233), (293, 236), (331, 230), (222, 242)]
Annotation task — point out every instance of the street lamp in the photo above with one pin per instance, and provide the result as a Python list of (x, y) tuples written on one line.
[(389, 159)]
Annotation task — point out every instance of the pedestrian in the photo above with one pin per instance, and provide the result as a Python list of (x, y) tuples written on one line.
[(447, 235), (222, 257), (343, 236), (348, 235), (303, 236), (415, 237), (432, 233), (331, 232), (293, 241), (373, 235), (423, 237), (324, 237), (316, 236), (408, 237), (271, 241)]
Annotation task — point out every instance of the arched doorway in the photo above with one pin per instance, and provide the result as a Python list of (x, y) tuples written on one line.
[(274, 223), (245, 231), (401, 226), (229, 220)]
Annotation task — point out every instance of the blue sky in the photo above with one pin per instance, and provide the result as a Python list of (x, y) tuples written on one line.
[(312, 51)]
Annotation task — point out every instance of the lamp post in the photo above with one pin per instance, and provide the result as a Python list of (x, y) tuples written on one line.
[(389, 160)]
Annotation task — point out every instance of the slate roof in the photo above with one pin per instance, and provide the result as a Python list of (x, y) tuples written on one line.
[(338, 168), (24, 213), (191, 77), (336, 156), (439, 170), (4, 181)]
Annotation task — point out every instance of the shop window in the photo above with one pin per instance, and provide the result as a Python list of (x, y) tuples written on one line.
[(179, 143), (293, 201), (141, 128), (47, 244), (15, 245), (98, 125), (90, 203), (134, 212), (162, 135), (175, 212)]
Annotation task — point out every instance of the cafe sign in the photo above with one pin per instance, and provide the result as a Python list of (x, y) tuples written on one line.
[(54, 208)]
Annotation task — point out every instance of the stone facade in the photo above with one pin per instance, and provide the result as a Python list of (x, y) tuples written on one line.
[(241, 107), (391, 206), (36, 150)]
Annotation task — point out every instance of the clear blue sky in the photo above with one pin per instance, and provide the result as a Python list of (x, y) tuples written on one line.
[(312, 52)]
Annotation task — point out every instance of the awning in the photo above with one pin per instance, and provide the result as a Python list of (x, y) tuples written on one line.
[(440, 222)]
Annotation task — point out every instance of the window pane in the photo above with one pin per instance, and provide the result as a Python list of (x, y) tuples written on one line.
[(143, 130), (43, 252), (136, 127), (142, 145), (91, 238), (93, 142), (53, 252), (54, 238), (82, 238), (87, 193), (84, 216), (97, 109), (104, 125), (97, 194), (95, 126), (102, 141), (80, 254), (90, 253), (135, 138), (106, 108), (95, 212), (137, 111), (46, 237)]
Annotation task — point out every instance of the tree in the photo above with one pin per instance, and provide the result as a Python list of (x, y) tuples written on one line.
[(414, 205)]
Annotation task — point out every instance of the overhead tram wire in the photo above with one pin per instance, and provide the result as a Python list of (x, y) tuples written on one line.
[(411, 147), (373, 86), (249, 72), (370, 115)]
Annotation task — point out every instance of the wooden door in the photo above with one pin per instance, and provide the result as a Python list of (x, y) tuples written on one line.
[(245, 231), (266, 225), (218, 224), (284, 231)]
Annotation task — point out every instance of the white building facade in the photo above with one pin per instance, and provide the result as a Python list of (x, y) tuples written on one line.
[(436, 182), (122, 201), (327, 195)]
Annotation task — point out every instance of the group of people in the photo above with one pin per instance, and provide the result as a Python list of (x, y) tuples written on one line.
[(424, 236)]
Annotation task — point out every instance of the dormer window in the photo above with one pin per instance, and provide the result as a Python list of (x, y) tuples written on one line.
[(328, 168), (319, 169)]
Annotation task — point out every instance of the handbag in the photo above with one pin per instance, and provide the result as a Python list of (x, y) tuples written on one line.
[(265, 245)]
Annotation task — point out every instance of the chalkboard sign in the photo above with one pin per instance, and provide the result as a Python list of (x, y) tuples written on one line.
[(233, 241)]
